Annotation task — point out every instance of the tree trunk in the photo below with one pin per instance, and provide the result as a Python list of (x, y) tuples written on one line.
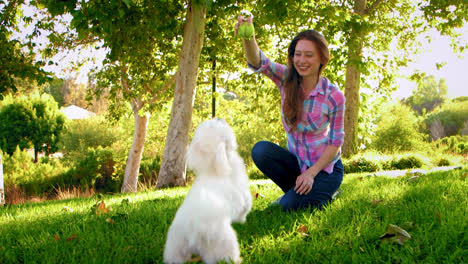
[(2, 190), (353, 76), (132, 167), (172, 172), (36, 153)]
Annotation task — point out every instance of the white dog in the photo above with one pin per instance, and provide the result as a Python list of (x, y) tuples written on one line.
[(219, 196)]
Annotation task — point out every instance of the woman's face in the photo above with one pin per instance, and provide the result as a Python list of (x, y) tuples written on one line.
[(307, 59)]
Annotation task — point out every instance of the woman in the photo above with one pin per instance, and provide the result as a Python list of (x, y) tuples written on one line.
[(312, 111)]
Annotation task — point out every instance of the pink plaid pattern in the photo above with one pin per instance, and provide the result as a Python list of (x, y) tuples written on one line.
[(322, 121)]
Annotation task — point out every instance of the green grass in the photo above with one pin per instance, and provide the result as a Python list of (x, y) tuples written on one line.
[(433, 209)]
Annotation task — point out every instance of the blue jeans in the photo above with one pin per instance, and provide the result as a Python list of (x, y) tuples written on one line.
[(282, 167)]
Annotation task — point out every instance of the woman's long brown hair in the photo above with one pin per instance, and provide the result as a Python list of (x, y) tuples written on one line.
[(293, 99)]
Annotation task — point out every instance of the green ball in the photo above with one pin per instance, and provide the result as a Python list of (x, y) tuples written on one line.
[(246, 30)]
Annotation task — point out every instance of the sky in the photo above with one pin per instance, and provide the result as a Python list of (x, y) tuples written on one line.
[(455, 71)]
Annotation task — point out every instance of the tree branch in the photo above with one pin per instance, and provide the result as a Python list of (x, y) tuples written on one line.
[(372, 8), (166, 86), (123, 79)]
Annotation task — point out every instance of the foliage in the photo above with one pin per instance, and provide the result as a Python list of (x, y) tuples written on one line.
[(149, 169), (446, 15), (407, 162), (88, 133), (453, 144), (360, 164), (452, 115), (16, 58), (16, 123), (32, 178), (373, 161), (397, 130), (428, 95), (98, 169), (135, 43), (32, 120), (48, 124)]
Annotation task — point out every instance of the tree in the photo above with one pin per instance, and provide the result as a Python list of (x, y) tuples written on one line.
[(139, 69), (33, 120), (48, 125), (172, 171), (16, 119), (428, 94), (15, 63)]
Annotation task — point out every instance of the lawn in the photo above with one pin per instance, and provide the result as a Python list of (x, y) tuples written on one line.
[(131, 228)]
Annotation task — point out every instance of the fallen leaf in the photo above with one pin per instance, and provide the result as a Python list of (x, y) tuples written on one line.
[(256, 195), (68, 209), (56, 237), (302, 230), (110, 221), (72, 237), (395, 234), (376, 201), (438, 217), (100, 208)]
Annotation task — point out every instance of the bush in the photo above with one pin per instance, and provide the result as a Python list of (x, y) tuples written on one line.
[(149, 169), (453, 144), (397, 130), (98, 169), (32, 178), (407, 162), (443, 162), (360, 164), (87, 133)]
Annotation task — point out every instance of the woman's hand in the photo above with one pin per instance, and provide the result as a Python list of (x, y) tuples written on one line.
[(304, 183), (244, 26)]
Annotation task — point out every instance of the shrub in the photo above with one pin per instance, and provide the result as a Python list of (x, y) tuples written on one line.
[(98, 169), (32, 178), (360, 164), (453, 144), (397, 130), (407, 162), (87, 133), (149, 169), (443, 162)]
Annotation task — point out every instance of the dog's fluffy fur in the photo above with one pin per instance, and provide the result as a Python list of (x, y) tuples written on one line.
[(219, 196)]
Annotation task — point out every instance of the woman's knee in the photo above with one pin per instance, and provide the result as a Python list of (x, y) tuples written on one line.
[(259, 150)]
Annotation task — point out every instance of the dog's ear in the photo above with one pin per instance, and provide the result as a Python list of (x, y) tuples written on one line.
[(221, 161)]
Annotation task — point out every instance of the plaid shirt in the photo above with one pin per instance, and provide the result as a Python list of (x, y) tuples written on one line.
[(322, 121)]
